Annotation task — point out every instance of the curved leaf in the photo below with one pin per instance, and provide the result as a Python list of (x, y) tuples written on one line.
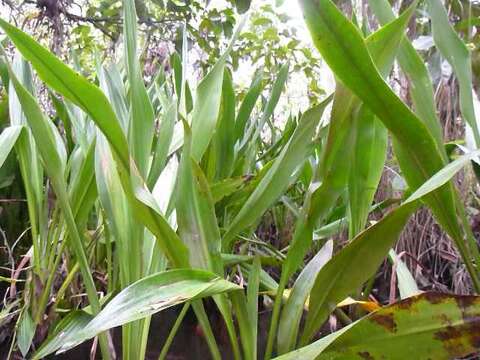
[(150, 295), (426, 326)]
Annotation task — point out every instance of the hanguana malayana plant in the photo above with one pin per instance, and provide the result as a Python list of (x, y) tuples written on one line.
[(163, 189)]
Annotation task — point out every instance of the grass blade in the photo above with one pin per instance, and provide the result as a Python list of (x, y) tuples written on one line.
[(141, 122)]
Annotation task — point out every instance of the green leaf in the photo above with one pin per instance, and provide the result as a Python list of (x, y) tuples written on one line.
[(226, 187), (443, 176), (352, 266), (89, 97), (343, 48), (111, 83), (366, 168), (277, 88), (312, 351), (457, 54), (71, 85), (252, 302), (207, 103), (114, 203), (28, 159), (248, 104), (141, 124), (225, 134), (148, 296), (441, 326), (356, 145), (165, 134), (8, 138), (278, 177), (342, 274), (74, 322), (197, 226), (26, 331), (43, 133), (414, 67), (293, 309)]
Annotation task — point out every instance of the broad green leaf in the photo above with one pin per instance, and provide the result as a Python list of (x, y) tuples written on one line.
[(28, 160), (334, 168), (293, 309), (62, 114), (165, 133), (71, 85), (26, 331), (337, 279), (198, 226), (112, 85), (366, 168), (245, 326), (312, 351), (82, 189), (427, 326), (352, 266), (443, 176), (343, 48), (227, 187), (246, 310), (8, 138), (181, 85), (225, 133), (149, 296), (114, 203), (70, 324), (349, 142), (414, 67), (279, 176)]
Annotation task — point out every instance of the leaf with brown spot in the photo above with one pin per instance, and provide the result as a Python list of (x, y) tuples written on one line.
[(430, 325), (427, 326)]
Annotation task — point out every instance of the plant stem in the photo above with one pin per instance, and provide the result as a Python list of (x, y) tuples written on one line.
[(173, 331)]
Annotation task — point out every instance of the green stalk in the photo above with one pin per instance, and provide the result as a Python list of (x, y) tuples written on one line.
[(66, 282), (272, 332), (173, 331)]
